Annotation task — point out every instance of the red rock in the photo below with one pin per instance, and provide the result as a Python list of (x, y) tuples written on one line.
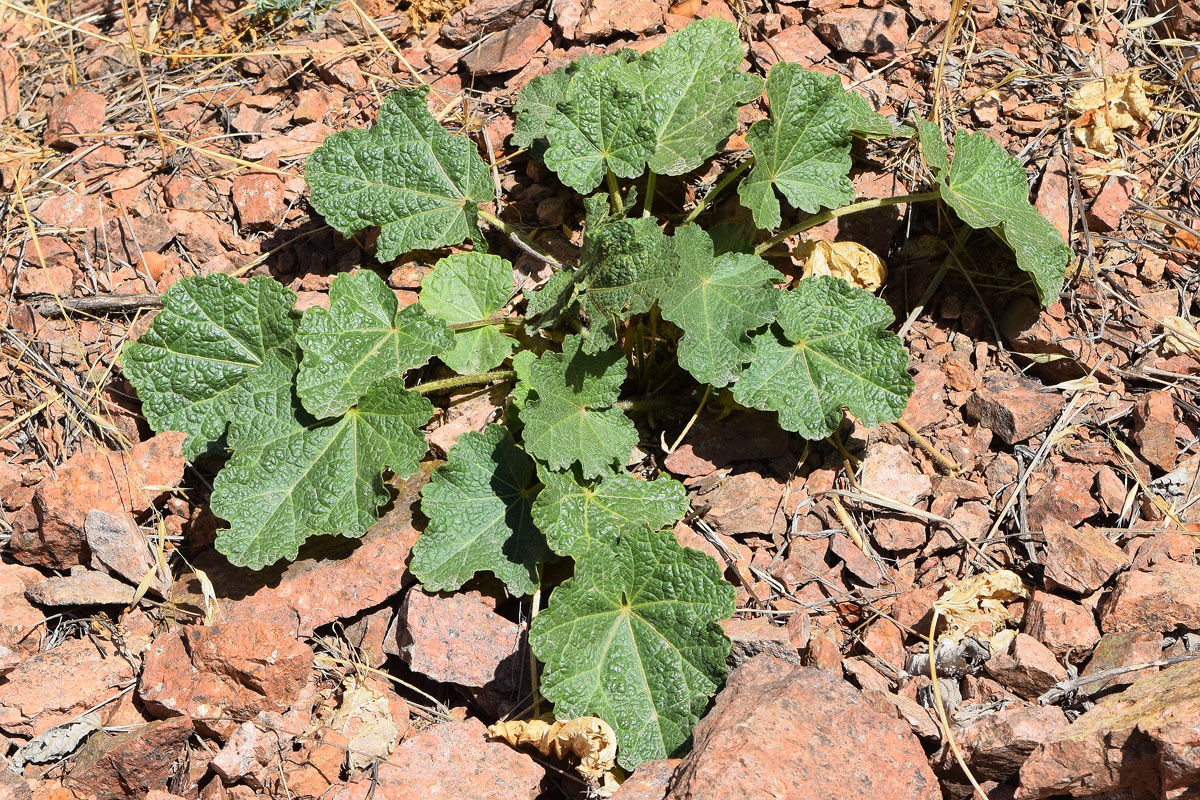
[(21, 628), (314, 768), (1054, 193), (752, 637), (936, 11), (1110, 205), (864, 31), (1161, 599), (57, 685), (483, 17), (1066, 497), (883, 639), (898, 533), (739, 437), (1154, 429), (1122, 650), (123, 765), (997, 744), (926, 406), (71, 211), (13, 786), (223, 675), (368, 635), (75, 112), (858, 563), (795, 44), (1079, 559), (1064, 626), (602, 18), (312, 105), (1014, 407), (117, 544), (1140, 743), (888, 470), (918, 718), (1027, 667), (1030, 329), (457, 638), (50, 531), (344, 72), (83, 587), (250, 753), (746, 503), (260, 200), (813, 736), (10, 85), (649, 781), (508, 50)]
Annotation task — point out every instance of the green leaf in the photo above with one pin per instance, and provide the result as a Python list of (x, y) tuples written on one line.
[(361, 338), (571, 420), (213, 333), (829, 348), (803, 149), (717, 302), (599, 125), (467, 287), (987, 188), (291, 477), (406, 174), (693, 87), (522, 364), (632, 638), (577, 515), (547, 305), (478, 504)]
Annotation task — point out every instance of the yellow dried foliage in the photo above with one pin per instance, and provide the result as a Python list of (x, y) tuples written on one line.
[(590, 739), (979, 604), (852, 262), (1182, 337), (422, 13), (1118, 102)]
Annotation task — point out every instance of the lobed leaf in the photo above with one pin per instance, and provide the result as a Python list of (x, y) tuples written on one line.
[(828, 349), (632, 638), (467, 287)]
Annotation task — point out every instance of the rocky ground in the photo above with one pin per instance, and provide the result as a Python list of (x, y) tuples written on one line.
[(1059, 444)]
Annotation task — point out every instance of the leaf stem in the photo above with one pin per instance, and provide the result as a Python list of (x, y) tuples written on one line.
[(651, 178), (644, 405), (853, 208), (471, 379), (614, 193), (519, 239), (727, 179), (502, 322)]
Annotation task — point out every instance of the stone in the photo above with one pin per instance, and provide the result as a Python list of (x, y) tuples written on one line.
[(1053, 199), (116, 543), (649, 781), (795, 44), (75, 112), (312, 105), (1067, 496), (1027, 667), (71, 211), (13, 785), (747, 436), (1140, 743), (779, 730), (123, 765), (1154, 423), (1014, 407), (864, 31), (1161, 599), (59, 684), (889, 470), (508, 50), (926, 406), (251, 751), (884, 640), (996, 745), (897, 533), (918, 718), (21, 624), (858, 563), (1079, 558), (480, 18), (746, 503), (50, 531), (83, 587), (603, 18), (369, 633), (458, 638), (224, 674), (1110, 205), (10, 84), (1064, 626), (1115, 650), (260, 200), (752, 637)]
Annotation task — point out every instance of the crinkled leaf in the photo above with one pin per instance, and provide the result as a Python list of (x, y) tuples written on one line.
[(213, 333), (829, 348), (406, 174), (987, 188), (522, 364), (600, 125), (478, 504), (291, 477), (717, 302), (547, 305), (577, 515), (866, 122), (803, 149), (632, 638), (362, 337), (538, 101), (693, 87), (467, 287), (571, 419)]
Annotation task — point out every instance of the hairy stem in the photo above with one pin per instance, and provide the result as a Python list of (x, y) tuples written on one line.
[(519, 239), (644, 405), (472, 379), (651, 178), (614, 193), (502, 322), (853, 208), (726, 179)]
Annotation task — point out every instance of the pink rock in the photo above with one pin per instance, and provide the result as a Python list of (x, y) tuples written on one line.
[(472, 23), (71, 211), (1066, 497), (864, 31), (1064, 626), (1160, 599), (1054, 193), (1027, 667), (1110, 205), (312, 105), (508, 50), (10, 84), (997, 744), (795, 44), (76, 112), (1154, 429), (130, 764), (602, 18), (21, 628), (779, 730), (746, 503), (260, 200), (926, 406), (709, 445), (898, 533), (889, 470), (1079, 559), (1014, 407), (752, 637), (1122, 650), (649, 781)]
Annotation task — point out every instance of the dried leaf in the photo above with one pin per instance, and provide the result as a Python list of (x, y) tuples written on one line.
[(852, 262), (590, 739), (365, 719), (978, 604), (1182, 337), (1118, 102)]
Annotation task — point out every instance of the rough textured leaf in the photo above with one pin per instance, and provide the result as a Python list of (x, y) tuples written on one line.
[(291, 477), (577, 515), (466, 287), (213, 333), (406, 174), (803, 149), (478, 504), (600, 125), (538, 101), (547, 305), (632, 638), (987, 188), (717, 302), (828, 349), (693, 87), (571, 420), (361, 338)]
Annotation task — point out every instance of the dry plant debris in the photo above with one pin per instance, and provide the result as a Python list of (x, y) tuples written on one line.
[(1113, 103), (589, 739)]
